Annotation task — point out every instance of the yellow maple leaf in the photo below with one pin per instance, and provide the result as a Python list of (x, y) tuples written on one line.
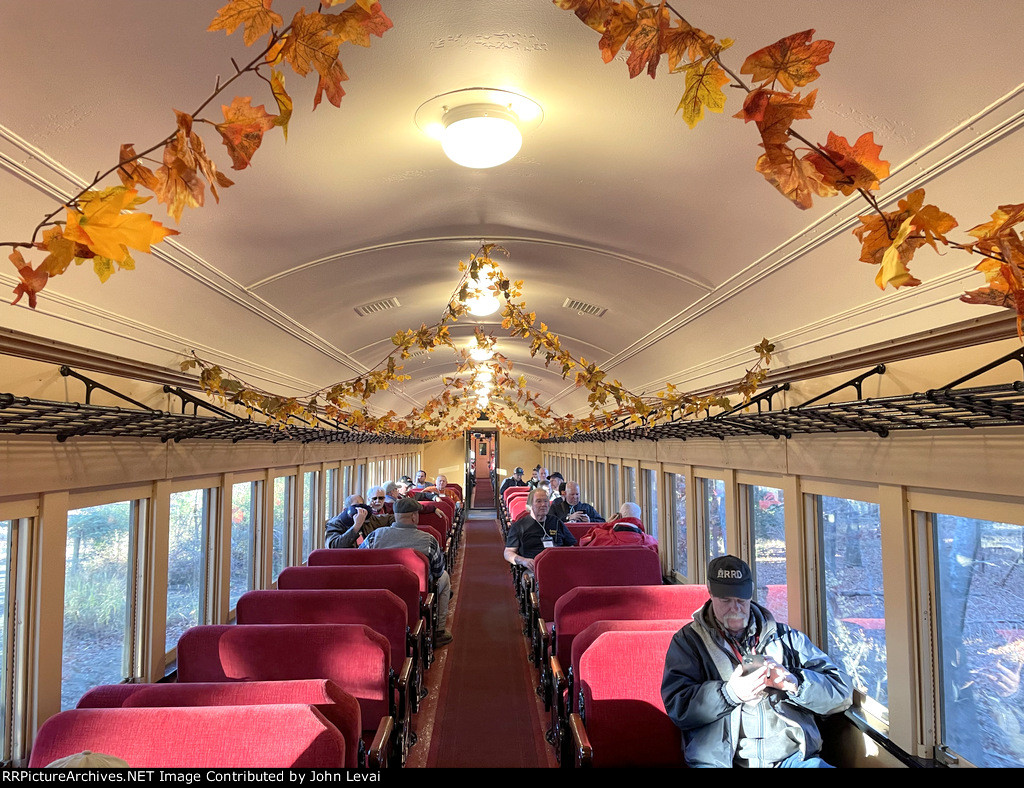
[(703, 89), (106, 230), (256, 15), (894, 269), (284, 101)]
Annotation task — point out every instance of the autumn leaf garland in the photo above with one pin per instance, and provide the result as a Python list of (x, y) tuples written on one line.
[(102, 224), (888, 239)]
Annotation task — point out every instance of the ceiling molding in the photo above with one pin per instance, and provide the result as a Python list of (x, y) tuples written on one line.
[(736, 284), (493, 238)]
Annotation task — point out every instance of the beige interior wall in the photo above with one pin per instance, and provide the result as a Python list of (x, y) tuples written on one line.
[(513, 452), (447, 457)]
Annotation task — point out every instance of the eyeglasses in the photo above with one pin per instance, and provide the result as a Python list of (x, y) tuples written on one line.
[(377, 498)]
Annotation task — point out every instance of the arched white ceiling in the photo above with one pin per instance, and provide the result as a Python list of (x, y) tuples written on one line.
[(613, 200)]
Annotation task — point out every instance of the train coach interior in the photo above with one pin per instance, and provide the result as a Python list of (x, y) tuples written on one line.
[(772, 295)]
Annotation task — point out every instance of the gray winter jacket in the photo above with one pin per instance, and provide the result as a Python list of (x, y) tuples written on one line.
[(699, 663)]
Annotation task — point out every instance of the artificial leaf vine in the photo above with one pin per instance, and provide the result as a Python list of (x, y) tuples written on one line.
[(515, 408), (802, 172), (102, 224)]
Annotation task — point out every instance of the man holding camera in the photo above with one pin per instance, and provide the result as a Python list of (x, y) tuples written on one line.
[(743, 688)]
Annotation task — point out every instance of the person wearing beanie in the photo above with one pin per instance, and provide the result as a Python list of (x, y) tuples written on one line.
[(744, 689)]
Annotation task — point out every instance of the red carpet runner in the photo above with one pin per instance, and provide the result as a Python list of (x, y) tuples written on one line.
[(488, 714)]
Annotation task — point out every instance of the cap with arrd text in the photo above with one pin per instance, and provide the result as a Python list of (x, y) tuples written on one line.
[(729, 576)]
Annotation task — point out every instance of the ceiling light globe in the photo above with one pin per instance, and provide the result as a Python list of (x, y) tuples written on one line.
[(482, 303), (481, 353), (480, 135)]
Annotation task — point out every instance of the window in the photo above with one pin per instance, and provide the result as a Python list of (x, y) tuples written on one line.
[(360, 480), (651, 501), (7, 531), (677, 489), (765, 514), (245, 513), (613, 484), (713, 517), (590, 484), (850, 545), (346, 482), (310, 505), (629, 490), (331, 494), (99, 587), (283, 486), (979, 574), (599, 502), (189, 524)]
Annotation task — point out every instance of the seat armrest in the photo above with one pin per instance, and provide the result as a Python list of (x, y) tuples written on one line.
[(377, 757), (582, 750)]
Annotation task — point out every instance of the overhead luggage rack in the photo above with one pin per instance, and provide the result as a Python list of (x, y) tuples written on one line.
[(28, 416), (947, 407)]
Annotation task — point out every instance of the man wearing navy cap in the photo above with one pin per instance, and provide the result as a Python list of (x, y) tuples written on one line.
[(515, 480), (743, 688)]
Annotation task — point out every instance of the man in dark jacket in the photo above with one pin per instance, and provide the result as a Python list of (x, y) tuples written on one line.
[(515, 480), (533, 532), (744, 689)]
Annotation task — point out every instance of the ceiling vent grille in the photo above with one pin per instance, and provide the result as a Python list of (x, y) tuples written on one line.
[(583, 308), (377, 306)]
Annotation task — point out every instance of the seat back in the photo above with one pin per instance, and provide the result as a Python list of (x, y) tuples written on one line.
[(353, 656), (511, 492), (587, 637), (377, 608), (582, 606), (413, 560), (397, 579), (262, 736), (579, 530), (516, 508), (620, 684), (429, 529), (337, 706), (561, 569)]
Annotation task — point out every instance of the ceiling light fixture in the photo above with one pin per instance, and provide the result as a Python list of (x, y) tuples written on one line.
[(482, 300), (479, 127)]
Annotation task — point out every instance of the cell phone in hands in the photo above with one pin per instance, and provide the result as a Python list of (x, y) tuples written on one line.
[(752, 662)]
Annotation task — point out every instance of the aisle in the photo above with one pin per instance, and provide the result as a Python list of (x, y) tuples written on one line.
[(487, 714)]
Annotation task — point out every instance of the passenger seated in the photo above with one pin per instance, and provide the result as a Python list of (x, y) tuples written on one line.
[(540, 474), (442, 490), (355, 522), (515, 480), (421, 479), (378, 500), (744, 689), (626, 529), (571, 509), (405, 534), (557, 482), (535, 531)]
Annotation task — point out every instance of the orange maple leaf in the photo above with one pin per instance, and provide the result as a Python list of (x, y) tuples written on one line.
[(793, 60), (131, 172), (644, 43), (330, 84), (254, 14), (243, 129), (310, 44), (61, 251), (618, 26), (927, 220), (775, 113), (685, 43), (1001, 225), (357, 23), (32, 280), (849, 168), (593, 13), (179, 185), (796, 180)]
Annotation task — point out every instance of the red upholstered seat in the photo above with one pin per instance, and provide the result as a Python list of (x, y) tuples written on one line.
[(516, 508), (397, 579), (413, 560), (353, 656), (581, 607), (337, 706), (626, 722), (260, 736), (579, 530), (377, 608)]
